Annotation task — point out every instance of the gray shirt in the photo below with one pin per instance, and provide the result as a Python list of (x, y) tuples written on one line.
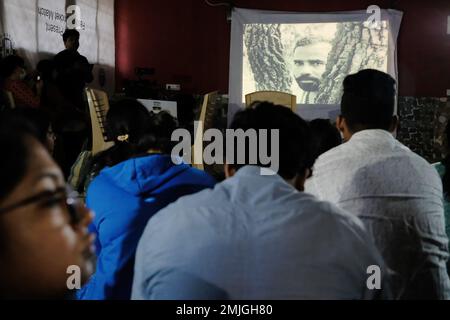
[(254, 237), (398, 196)]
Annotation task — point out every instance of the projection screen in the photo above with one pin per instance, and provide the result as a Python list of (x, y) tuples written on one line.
[(34, 29), (307, 54)]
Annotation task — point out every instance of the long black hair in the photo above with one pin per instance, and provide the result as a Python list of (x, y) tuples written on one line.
[(135, 131)]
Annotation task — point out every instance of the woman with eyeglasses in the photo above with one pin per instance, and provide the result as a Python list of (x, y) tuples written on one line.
[(43, 227)]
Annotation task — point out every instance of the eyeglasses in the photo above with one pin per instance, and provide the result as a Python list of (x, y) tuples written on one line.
[(66, 194)]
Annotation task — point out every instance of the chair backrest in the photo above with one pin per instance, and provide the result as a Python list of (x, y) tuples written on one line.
[(9, 99), (276, 97), (98, 108), (205, 120)]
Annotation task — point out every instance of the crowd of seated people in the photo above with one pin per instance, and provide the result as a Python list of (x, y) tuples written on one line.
[(344, 199)]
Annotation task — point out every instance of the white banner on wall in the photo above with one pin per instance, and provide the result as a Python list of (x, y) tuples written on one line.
[(34, 29), (308, 54)]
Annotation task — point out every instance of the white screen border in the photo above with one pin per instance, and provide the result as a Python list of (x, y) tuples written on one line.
[(241, 17)]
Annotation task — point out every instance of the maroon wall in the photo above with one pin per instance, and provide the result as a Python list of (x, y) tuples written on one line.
[(188, 42)]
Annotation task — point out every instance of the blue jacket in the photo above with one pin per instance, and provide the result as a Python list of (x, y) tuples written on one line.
[(124, 198)]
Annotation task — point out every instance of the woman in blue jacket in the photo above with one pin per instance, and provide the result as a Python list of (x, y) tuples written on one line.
[(138, 179)]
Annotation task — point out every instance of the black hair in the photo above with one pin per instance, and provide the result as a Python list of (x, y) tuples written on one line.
[(135, 131), (295, 149), (70, 33), (368, 101), (46, 69), (14, 133), (9, 64), (325, 136), (446, 163), (36, 118)]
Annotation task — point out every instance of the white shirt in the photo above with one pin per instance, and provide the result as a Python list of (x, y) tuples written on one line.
[(254, 237), (398, 196)]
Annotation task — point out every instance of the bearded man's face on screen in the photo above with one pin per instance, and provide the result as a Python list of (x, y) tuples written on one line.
[(310, 62)]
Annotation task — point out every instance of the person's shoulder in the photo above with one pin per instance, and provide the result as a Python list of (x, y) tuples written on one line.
[(414, 159), (330, 211), (61, 54), (341, 151), (201, 176), (189, 208)]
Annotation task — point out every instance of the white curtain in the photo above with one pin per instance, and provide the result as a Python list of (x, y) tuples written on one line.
[(36, 26)]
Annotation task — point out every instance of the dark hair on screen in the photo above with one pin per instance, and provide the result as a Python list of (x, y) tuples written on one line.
[(9, 64), (368, 101), (14, 132), (135, 131), (325, 136), (70, 33), (295, 149)]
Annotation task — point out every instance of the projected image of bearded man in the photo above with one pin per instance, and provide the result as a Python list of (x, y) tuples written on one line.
[(310, 60)]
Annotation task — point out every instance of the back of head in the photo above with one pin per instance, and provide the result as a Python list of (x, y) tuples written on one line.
[(160, 130), (9, 64), (325, 136), (295, 149), (368, 101), (127, 118), (135, 132), (68, 33)]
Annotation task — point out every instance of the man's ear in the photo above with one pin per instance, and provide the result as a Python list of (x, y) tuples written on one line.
[(341, 125), (229, 170), (394, 124)]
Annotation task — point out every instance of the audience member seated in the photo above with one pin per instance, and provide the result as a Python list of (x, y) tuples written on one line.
[(257, 236), (396, 193), (443, 169), (138, 180), (43, 229), (13, 74), (325, 136)]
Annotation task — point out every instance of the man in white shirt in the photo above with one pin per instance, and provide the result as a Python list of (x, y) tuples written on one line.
[(259, 236), (396, 193)]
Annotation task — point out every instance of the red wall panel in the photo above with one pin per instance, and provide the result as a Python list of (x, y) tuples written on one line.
[(188, 42)]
